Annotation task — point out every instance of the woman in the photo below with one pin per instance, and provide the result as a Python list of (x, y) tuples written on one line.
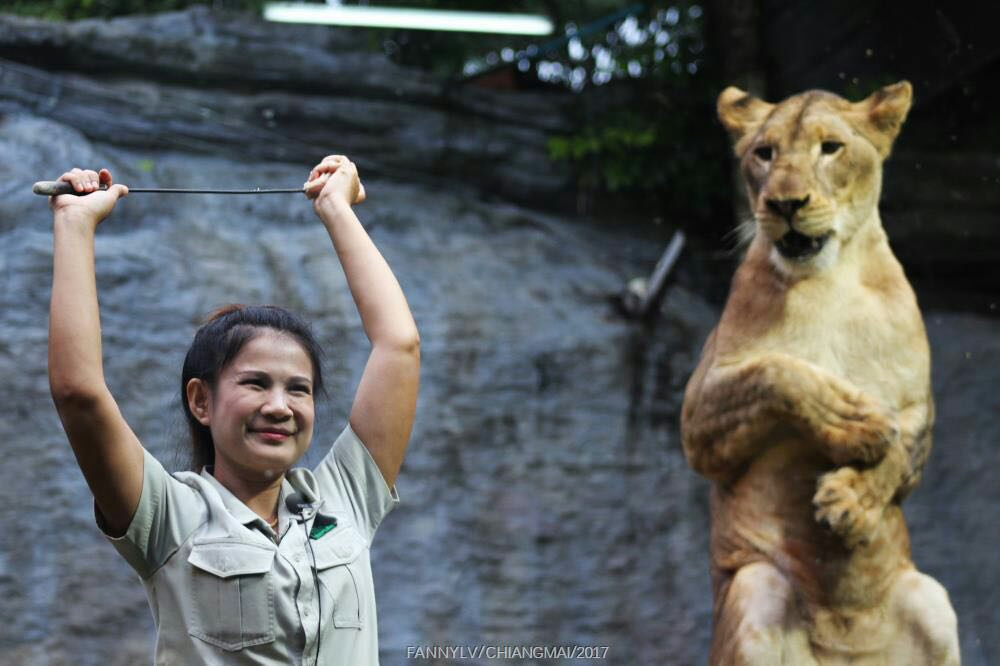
[(244, 560)]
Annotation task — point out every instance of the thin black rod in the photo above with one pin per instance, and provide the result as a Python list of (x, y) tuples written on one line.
[(55, 187), (162, 190)]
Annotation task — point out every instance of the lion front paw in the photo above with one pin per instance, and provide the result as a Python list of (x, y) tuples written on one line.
[(859, 430), (846, 503)]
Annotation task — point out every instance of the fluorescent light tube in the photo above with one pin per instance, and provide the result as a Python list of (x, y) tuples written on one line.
[(412, 19)]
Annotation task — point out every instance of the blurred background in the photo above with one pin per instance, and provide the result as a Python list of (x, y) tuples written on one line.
[(517, 185)]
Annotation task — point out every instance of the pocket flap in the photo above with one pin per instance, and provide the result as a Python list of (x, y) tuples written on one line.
[(338, 547), (231, 558)]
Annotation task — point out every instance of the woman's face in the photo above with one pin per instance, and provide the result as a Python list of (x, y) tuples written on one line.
[(261, 411)]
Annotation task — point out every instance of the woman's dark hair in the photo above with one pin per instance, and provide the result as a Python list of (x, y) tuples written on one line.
[(219, 340)]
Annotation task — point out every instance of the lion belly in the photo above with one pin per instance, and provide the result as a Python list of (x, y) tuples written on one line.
[(767, 514)]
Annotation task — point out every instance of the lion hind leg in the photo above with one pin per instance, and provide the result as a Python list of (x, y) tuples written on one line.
[(758, 623), (928, 633)]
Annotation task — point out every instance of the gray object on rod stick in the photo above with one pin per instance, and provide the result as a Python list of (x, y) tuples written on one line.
[(53, 187), (641, 295)]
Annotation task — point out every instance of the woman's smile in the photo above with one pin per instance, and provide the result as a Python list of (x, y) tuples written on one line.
[(272, 434)]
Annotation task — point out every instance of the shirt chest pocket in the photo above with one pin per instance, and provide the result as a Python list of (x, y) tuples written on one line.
[(341, 573), (232, 594)]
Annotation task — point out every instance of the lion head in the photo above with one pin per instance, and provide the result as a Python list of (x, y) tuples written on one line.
[(812, 165)]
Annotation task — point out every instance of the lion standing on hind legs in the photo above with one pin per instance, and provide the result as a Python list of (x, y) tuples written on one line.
[(811, 408)]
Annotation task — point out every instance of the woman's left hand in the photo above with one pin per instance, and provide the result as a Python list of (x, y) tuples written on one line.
[(334, 179)]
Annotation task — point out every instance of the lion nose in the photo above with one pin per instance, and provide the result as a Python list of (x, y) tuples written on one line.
[(786, 208)]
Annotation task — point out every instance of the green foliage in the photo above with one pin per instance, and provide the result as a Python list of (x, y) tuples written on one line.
[(80, 9), (612, 148), (657, 141), (675, 163)]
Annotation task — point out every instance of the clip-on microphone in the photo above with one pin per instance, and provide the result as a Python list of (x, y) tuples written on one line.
[(296, 503)]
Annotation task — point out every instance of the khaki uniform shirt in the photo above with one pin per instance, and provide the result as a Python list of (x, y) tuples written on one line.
[(222, 591)]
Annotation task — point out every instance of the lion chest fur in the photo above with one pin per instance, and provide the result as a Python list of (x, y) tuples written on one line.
[(859, 321)]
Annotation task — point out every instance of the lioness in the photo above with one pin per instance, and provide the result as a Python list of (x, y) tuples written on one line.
[(811, 408)]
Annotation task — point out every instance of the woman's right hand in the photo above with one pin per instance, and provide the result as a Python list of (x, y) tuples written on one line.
[(94, 204)]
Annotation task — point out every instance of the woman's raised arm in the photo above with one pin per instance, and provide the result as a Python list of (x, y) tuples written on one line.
[(386, 399), (108, 452)]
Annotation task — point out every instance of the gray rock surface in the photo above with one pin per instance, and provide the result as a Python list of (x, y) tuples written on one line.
[(546, 500)]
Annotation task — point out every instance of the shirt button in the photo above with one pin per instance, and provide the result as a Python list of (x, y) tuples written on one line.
[(305, 612), (298, 557)]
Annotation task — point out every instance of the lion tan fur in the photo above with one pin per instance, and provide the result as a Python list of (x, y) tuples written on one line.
[(811, 408)]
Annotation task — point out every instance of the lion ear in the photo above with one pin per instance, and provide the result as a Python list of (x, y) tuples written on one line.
[(740, 112), (884, 112)]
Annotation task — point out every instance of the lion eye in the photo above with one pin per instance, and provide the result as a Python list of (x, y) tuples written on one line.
[(764, 153), (830, 147)]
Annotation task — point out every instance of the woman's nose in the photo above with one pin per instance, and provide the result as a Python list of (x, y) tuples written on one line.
[(276, 404)]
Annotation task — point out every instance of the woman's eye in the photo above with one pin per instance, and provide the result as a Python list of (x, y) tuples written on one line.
[(764, 153), (830, 147), (301, 389)]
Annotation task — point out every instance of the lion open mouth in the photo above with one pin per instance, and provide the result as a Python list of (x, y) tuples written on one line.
[(794, 245)]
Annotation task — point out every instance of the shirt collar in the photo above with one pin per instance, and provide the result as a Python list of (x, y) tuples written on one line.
[(236, 508)]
